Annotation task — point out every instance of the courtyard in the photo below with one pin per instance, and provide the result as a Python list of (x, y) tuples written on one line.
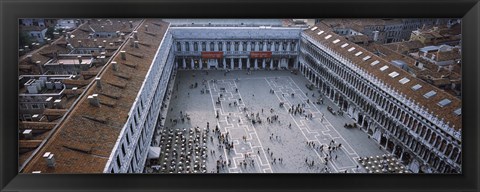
[(257, 122)]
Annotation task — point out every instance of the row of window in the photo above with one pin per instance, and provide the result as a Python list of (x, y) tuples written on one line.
[(402, 117), (148, 125), (237, 46)]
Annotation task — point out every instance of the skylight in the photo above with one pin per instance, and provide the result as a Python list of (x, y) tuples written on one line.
[(458, 111), (336, 41), (319, 33), (314, 28), (384, 68), (351, 49), (393, 74), (404, 80), (375, 62), (328, 36), (344, 45), (444, 102), (430, 94), (358, 53), (367, 57), (416, 87)]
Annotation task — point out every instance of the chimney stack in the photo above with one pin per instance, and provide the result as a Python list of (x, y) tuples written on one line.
[(123, 56), (80, 43), (27, 134), (29, 59), (95, 42), (26, 48), (79, 59), (135, 44), (114, 65), (49, 99), (122, 35), (104, 43), (118, 33), (146, 27), (135, 35), (40, 66), (58, 104), (99, 83), (131, 24), (93, 99), (49, 159)]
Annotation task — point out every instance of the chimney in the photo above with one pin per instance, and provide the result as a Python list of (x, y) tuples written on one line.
[(118, 33), (27, 134), (135, 44), (123, 56), (26, 48), (114, 65), (131, 42), (122, 35), (80, 43), (49, 159), (104, 43), (93, 99), (146, 27), (58, 104), (135, 35), (36, 117), (99, 83), (29, 59), (95, 42), (79, 59), (40, 66), (131, 24), (49, 100)]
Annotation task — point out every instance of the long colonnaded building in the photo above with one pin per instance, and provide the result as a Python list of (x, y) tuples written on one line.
[(110, 129)]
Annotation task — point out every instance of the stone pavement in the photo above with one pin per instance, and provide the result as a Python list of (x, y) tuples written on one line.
[(262, 139)]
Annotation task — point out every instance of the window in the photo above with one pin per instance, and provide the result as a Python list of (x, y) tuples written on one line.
[(187, 46), (204, 46), (416, 87), (195, 46), (444, 102), (220, 46), (35, 106), (384, 68), (404, 80), (393, 74), (260, 46), (123, 149), (244, 46), (118, 161), (430, 94), (458, 111), (179, 46), (228, 46), (236, 46), (212, 46)]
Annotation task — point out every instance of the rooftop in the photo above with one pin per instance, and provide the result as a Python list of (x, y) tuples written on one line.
[(447, 112), (84, 140)]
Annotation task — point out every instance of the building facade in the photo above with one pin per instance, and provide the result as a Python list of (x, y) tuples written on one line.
[(422, 141)]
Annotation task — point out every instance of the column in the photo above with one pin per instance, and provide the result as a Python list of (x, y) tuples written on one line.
[(182, 44), (256, 46), (271, 63), (231, 63), (184, 64), (216, 45), (256, 64), (288, 46), (240, 62), (193, 65), (263, 63), (248, 60), (249, 48), (200, 64), (191, 46), (224, 63), (265, 46)]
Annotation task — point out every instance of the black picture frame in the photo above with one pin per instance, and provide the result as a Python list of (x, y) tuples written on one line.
[(11, 11)]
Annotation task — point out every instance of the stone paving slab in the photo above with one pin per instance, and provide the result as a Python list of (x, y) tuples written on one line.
[(253, 90)]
